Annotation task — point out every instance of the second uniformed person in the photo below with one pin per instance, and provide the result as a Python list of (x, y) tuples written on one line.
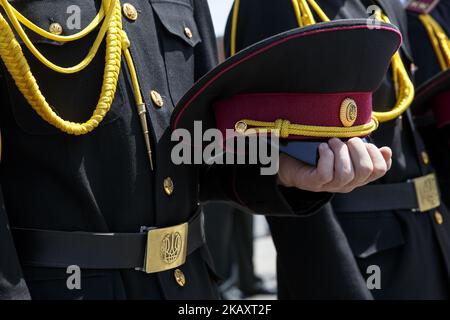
[(429, 32), (387, 225)]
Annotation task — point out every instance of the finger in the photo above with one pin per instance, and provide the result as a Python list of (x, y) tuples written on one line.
[(285, 171), (379, 163), (293, 172), (324, 171), (387, 155), (343, 168), (362, 162)]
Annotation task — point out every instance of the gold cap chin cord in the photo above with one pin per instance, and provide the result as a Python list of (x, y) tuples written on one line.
[(403, 85), (284, 129), (439, 40), (116, 42)]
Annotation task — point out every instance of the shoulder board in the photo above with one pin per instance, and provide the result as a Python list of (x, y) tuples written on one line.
[(422, 6)]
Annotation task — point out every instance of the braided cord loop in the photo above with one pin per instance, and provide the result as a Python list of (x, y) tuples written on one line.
[(12, 55)]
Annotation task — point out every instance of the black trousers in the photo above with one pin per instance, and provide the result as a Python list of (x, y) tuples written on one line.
[(229, 234), (327, 256)]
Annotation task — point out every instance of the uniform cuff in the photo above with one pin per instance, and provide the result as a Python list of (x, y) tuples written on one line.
[(262, 194)]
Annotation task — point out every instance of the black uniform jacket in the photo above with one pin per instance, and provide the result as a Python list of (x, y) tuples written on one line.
[(102, 182), (411, 249)]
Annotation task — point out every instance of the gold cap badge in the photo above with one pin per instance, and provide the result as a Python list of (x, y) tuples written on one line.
[(349, 112)]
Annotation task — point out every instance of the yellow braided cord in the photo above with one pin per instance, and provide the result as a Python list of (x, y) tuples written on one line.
[(306, 13), (286, 129), (434, 40), (44, 33), (404, 87), (443, 40), (234, 22), (438, 39), (298, 14), (303, 13), (404, 91), (16, 63), (132, 69), (83, 64), (318, 10)]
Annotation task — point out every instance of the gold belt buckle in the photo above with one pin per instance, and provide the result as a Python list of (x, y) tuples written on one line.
[(427, 192), (166, 248)]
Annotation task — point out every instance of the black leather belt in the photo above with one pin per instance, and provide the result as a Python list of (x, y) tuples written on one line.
[(420, 194), (153, 250)]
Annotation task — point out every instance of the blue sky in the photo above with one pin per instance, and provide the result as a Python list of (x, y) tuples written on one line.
[(219, 12)]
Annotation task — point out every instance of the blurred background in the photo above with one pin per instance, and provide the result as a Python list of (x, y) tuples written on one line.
[(240, 243), (219, 12)]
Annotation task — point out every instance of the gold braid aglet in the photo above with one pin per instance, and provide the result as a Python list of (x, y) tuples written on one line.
[(142, 111)]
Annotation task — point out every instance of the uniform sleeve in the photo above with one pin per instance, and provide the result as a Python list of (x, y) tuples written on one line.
[(206, 55), (244, 185), (253, 192), (12, 283)]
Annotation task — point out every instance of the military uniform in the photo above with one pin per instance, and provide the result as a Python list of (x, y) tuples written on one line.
[(102, 182), (410, 247), (428, 66)]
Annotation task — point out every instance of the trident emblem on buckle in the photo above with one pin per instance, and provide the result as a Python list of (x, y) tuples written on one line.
[(171, 247), (166, 248)]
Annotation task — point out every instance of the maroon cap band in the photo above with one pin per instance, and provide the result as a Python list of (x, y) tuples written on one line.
[(343, 109)]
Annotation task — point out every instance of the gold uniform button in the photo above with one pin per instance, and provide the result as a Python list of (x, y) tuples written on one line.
[(130, 11), (56, 28), (179, 277), (168, 186), (425, 158), (156, 98), (438, 217), (188, 33)]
